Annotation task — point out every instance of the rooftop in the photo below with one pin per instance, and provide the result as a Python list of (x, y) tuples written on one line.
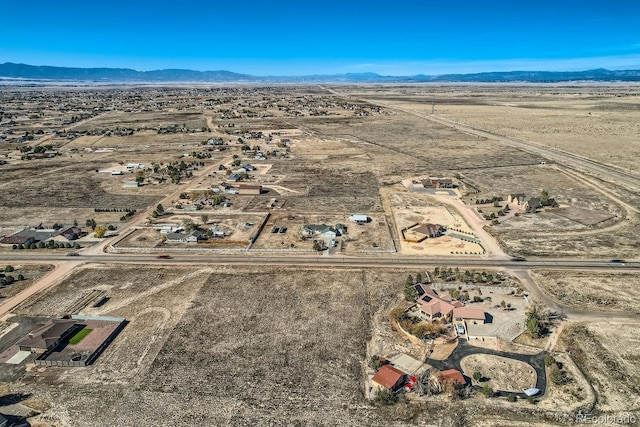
[(388, 376)]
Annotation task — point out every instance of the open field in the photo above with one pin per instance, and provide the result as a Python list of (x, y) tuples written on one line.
[(615, 292), (371, 237), (598, 121), (608, 354), (500, 373), (31, 272), (266, 345), (211, 336)]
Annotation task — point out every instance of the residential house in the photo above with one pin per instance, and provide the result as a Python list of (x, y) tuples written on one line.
[(388, 378), (249, 189), (437, 183), (49, 336), (234, 177), (429, 230), (326, 231), (532, 205), (191, 237), (477, 315), (451, 376), (359, 218), (517, 198), (35, 235), (443, 307)]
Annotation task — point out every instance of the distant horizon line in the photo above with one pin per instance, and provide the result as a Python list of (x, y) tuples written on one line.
[(425, 74)]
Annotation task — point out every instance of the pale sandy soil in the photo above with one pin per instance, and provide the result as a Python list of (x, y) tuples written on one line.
[(615, 292), (607, 352), (501, 373)]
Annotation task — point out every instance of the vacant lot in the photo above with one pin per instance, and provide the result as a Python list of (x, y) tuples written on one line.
[(62, 185), (608, 354), (500, 373), (608, 291), (31, 272)]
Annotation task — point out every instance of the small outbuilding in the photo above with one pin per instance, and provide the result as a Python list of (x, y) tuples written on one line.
[(389, 378), (359, 218)]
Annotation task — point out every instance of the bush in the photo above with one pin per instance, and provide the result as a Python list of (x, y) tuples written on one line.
[(397, 314), (549, 360), (487, 391), (512, 398), (386, 397), (477, 376), (8, 269)]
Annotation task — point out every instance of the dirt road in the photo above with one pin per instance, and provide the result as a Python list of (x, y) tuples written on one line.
[(101, 247), (61, 271)]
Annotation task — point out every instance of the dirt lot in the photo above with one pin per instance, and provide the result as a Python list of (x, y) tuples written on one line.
[(61, 185), (610, 291), (501, 373), (143, 238), (608, 354), (31, 273), (373, 236)]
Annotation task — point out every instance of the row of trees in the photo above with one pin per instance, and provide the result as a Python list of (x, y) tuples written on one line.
[(49, 244), (456, 275)]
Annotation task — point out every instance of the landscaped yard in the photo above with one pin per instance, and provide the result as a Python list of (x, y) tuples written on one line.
[(79, 336)]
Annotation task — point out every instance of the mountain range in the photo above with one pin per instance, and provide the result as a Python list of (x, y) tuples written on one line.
[(12, 71)]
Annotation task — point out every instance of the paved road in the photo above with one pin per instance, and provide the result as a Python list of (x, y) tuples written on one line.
[(465, 349), (248, 258)]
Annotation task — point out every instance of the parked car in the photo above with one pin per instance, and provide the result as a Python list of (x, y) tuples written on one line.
[(164, 257), (460, 329)]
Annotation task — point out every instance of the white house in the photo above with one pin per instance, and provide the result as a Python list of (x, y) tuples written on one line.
[(190, 237), (359, 218)]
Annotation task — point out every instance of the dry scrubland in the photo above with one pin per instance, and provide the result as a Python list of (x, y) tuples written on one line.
[(560, 115), (614, 292), (601, 122), (608, 353), (227, 346)]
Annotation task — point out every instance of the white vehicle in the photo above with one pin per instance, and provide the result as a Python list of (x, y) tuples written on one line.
[(460, 329)]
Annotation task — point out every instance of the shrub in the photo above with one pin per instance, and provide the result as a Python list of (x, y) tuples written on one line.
[(386, 397), (487, 391)]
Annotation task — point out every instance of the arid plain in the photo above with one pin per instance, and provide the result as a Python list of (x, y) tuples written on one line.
[(161, 184)]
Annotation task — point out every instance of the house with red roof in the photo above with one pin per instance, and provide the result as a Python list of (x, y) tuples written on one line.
[(452, 376), (442, 307), (389, 378)]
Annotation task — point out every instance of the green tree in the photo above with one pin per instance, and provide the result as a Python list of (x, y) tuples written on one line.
[(487, 391), (418, 277), (205, 218), (544, 198), (9, 269), (386, 397), (160, 209), (397, 314), (477, 376), (533, 327), (20, 277), (100, 231)]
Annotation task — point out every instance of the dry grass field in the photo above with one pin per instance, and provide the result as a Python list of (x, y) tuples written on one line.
[(616, 292), (31, 272), (500, 373), (289, 346), (608, 354), (259, 346)]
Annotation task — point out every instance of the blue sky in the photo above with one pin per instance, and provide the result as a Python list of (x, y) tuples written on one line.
[(290, 37)]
